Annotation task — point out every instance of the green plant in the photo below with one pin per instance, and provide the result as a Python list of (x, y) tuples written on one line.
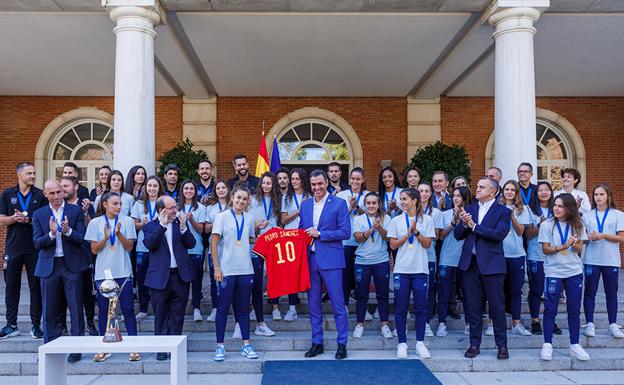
[(185, 157), (439, 156)]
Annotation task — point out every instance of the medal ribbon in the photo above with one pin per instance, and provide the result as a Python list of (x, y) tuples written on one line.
[(564, 237), (23, 204), (601, 223), (152, 213), (296, 200), (112, 236), (239, 230), (370, 226), (268, 212), (357, 202), (407, 223), (526, 198), (392, 198)]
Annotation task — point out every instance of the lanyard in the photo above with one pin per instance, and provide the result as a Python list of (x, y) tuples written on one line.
[(549, 212), (220, 207), (564, 237), (112, 231), (239, 229), (173, 194), (392, 198), (411, 237), (601, 223), (268, 212), (428, 209), (296, 200), (370, 226), (152, 213), (23, 204), (186, 210), (357, 202), (59, 228), (526, 198)]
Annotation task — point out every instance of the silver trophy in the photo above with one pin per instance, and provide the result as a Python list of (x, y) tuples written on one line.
[(110, 289)]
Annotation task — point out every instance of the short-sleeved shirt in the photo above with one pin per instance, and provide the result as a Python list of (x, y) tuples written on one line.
[(290, 206), (345, 195), (234, 259), (127, 201), (117, 259), (585, 202), (387, 197), (375, 249), (286, 256), (560, 265), (213, 210), (603, 252), (451, 247), (199, 214), (535, 252), (435, 215), (259, 209), (513, 246), (414, 260), (138, 212), (19, 238)]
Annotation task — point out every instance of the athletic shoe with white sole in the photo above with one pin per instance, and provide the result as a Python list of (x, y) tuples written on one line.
[(264, 330), (614, 330), (490, 330), (421, 350), (386, 332), (249, 352), (219, 353), (358, 331), (291, 315), (252, 315), (578, 352), (428, 331), (547, 351), (368, 316), (9, 331), (590, 330), (277, 316), (213, 316), (197, 317), (520, 330), (237, 332), (141, 316), (402, 350), (442, 330)]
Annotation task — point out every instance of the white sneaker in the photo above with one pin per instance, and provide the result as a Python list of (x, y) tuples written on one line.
[(578, 352), (252, 315), (547, 351), (358, 331), (441, 330), (291, 315), (421, 350), (368, 316), (428, 331), (277, 316), (386, 332), (520, 330), (396, 334), (237, 332), (590, 330), (490, 330), (141, 316), (264, 330), (197, 317), (376, 315), (402, 350), (213, 316), (467, 330), (614, 330)]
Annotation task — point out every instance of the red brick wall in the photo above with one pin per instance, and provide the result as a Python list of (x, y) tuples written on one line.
[(380, 123), (599, 122)]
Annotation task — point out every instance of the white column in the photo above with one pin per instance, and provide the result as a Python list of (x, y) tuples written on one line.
[(134, 84), (514, 94)]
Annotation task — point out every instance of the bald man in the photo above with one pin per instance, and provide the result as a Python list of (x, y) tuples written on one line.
[(58, 234), (169, 270)]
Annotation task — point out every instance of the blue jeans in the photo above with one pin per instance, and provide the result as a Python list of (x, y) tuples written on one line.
[(404, 285), (381, 277), (126, 303), (574, 290), (610, 282)]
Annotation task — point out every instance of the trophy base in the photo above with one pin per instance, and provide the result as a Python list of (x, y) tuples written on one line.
[(112, 335)]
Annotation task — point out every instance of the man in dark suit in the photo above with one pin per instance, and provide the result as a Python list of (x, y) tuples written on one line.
[(58, 234), (169, 272), (484, 226), (326, 219)]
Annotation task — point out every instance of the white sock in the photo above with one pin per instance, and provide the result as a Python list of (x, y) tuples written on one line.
[(291, 307)]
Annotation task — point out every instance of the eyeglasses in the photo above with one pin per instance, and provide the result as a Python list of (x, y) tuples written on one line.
[(523, 171)]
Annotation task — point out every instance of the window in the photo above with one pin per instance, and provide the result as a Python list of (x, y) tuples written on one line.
[(88, 143), (313, 142), (553, 153)]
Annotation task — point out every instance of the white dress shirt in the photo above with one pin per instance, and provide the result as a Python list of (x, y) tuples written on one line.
[(58, 218), (316, 213), (484, 207), (169, 235)]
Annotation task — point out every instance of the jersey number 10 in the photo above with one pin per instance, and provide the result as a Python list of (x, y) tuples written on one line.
[(290, 252)]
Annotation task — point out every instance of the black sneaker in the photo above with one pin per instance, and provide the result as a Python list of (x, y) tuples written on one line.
[(9, 331), (35, 332), (453, 313), (63, 330), (92, 331), (556, 330), (536, 328)]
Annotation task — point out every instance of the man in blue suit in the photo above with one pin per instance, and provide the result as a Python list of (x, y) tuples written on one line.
[(58, 234), (326, 219), (169, 270), (484, 226)]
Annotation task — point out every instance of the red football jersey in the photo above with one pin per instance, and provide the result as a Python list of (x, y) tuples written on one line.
[(286, 256)]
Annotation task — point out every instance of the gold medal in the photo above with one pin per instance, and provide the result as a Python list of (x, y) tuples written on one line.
[(238, 243), (564, 251), (25, 213), (411, 246)]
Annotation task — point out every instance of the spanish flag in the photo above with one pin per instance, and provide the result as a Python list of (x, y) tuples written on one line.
[(262, 165)]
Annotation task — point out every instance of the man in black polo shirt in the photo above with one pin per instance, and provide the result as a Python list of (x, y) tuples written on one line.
[(71, 169), (241, 167), (17, 205)]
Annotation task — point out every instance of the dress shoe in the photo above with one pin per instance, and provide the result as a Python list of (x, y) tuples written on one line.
[(74, 357), (503, 353), (162, 356), (341, 354), (315, 350), (453, 313), (472, 352)]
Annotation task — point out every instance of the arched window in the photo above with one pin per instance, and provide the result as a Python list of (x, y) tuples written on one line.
[(86, 142), (312, 144)]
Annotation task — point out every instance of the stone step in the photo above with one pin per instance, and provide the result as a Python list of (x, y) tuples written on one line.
[(451, 360), (300, 341)]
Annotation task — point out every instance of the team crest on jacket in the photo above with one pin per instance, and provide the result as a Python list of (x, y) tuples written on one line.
[(13, 200)]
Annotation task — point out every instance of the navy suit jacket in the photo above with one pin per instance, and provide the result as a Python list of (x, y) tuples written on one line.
[(76, 258), (160, 258), (448, 202), (487, 238), (334, 226)]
